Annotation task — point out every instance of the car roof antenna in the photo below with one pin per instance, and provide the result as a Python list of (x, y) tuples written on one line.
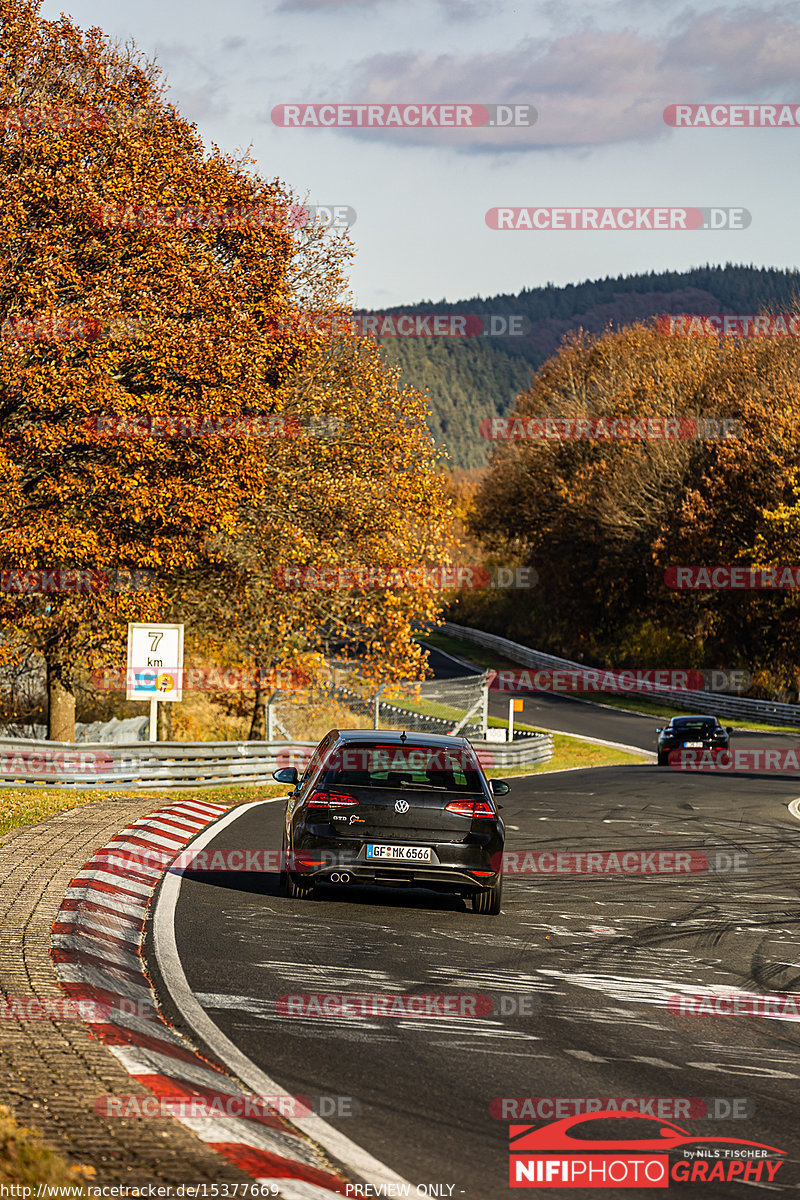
[(403, 736)]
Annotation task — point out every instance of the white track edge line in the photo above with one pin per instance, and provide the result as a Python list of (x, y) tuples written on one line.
[(352, 1156), (582, 737)]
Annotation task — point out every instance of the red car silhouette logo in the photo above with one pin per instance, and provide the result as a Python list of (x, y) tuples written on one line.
[(530, 1139)]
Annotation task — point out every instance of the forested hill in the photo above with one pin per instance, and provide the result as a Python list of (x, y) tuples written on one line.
[(475, 377)]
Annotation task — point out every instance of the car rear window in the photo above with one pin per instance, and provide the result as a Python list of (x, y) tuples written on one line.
[(451, 770), (694, 726)]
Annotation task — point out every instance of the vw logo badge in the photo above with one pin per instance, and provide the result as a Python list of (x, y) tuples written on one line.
[(401, 806)]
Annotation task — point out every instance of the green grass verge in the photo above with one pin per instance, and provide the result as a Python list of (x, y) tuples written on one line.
[(28, 806), (572, 752), (26, 1160), (636, 704)]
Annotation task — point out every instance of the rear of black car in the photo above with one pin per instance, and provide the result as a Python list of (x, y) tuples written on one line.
[(691, 733), (413, 812)]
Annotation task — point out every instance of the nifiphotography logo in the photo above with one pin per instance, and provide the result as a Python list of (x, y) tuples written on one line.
[(645, 1153)]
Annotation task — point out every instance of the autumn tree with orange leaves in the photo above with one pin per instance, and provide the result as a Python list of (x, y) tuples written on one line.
[(358, 485), (186, 314), (601, 520)]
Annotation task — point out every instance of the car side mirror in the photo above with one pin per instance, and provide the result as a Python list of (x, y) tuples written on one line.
[(499, 787), (659, 731), (286, 775), (729, 729)]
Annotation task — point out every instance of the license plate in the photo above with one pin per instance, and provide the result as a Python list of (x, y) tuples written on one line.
[(401, 853), (693, 745)]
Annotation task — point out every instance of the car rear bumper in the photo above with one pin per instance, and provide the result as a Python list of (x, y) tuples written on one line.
[(396, 875), (456, 866)]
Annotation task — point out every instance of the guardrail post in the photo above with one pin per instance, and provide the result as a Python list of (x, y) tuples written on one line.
[(377, 716)]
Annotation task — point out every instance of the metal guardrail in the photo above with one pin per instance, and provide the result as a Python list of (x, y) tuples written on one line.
[(26, 762), (769, 711)]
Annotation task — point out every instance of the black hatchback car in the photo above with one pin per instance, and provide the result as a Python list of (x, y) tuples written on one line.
[(691, 733), (398, 809)]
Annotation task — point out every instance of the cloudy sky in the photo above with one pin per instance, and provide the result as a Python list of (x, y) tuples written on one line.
[(599, 76)]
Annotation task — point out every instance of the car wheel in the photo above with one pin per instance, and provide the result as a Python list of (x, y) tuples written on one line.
[(298, 887), (488, 900)]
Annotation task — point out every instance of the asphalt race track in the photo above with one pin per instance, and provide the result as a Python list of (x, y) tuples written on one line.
[(587, 963), (567, 715)]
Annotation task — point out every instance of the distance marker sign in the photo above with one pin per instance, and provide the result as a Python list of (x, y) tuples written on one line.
[(155, 662)]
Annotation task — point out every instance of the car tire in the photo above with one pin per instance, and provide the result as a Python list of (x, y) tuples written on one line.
[(298, 887), (488, 900), (284, 874), (663, 759)]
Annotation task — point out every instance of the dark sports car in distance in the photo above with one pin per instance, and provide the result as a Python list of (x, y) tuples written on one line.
[(397, 809), (691, 733)]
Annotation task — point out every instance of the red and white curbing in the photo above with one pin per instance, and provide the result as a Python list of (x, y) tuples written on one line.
[(96, 945)]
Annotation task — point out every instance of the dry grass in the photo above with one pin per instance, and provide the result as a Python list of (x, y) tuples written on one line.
[(26, 1160)]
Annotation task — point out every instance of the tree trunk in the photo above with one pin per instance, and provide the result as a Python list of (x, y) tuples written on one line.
[(258, 726), (164, 723), (61, 701)]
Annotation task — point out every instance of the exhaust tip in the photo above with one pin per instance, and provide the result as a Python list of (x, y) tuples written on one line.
[(344, 878), (335, 877)]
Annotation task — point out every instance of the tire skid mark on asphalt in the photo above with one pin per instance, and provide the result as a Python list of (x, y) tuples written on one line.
[(96, 943), (658, 991), (319, 1024)]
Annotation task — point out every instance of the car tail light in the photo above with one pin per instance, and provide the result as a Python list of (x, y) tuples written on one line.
[(297, 861), (470, 808), (331, 800)]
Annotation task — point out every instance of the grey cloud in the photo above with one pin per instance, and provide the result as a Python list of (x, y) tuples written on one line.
[(590, 87)]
